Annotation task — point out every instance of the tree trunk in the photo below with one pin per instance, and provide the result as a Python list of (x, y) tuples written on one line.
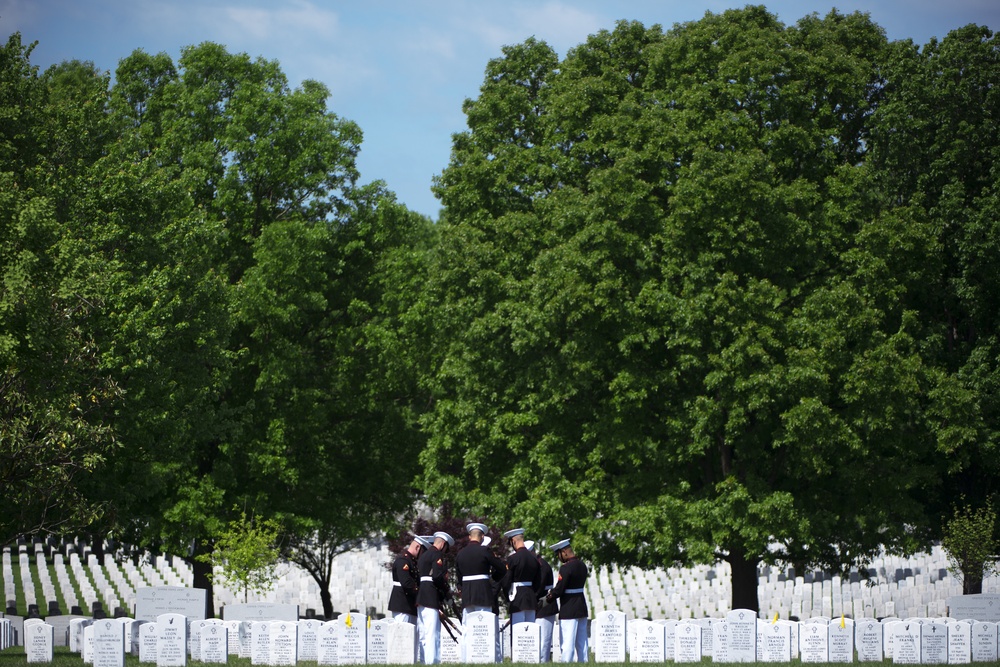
[(201, 571), (744, 580), (324, 594), (972, 579)]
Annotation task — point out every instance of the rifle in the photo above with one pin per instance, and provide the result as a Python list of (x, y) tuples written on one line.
[(449, 625)]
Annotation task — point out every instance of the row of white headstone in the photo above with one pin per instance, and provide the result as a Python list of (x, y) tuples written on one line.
[(173, 639), (743, 637)]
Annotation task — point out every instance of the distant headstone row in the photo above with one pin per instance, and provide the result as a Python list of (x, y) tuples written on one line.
[(742, 637)]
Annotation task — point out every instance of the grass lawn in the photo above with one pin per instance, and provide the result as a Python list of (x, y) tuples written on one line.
[(15, 657)]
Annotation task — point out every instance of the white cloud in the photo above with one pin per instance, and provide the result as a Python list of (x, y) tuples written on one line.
[(561, 25), (292, 21)]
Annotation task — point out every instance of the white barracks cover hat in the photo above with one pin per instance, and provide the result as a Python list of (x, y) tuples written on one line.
[(562, 544)]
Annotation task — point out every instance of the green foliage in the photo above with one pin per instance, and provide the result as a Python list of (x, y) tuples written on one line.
[(936, 143), (970, 541), (670, 313), (53, 394), (247, 552), (255, 309)]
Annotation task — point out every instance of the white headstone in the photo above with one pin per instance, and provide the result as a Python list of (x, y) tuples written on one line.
[(171, 640), (284, 642), (352, 647), (402, 644), (776, 641), (721, 640), (607, 633), (327, 639), (687, 642), (868, 640), (132, 633), (109, 643), (76, 627), (742, 635), (934, 643), (239, 644), (959, 643), (480, 634), (378, 642), (984, 642), (556, 642), (905, 643), (525, 642), (669, 627), (87, 644), (308, 638), (148, 634), (451, 648), (814, 642), (215, 643), (841, 640), (195, 628), (707, 635), (260, 642), (39, 639), (648, 643)]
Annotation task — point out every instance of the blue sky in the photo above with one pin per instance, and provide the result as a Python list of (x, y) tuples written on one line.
[(401, 68)]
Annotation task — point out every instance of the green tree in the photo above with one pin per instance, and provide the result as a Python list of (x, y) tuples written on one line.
[(53, 393), (256, 326), (970, 542), (331, 362), (935, 145), (669, 319), (247, 554)]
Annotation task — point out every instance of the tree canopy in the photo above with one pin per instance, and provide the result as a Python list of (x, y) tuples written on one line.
[(680, 309)]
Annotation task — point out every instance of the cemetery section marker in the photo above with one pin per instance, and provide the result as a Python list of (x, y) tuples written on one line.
[(982, 607), (260, 611), (154, 601)]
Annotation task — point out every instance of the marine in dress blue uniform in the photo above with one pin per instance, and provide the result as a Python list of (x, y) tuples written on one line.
[(477, 569), (568, 590), (522, 580), (406, 581), (432, 593)]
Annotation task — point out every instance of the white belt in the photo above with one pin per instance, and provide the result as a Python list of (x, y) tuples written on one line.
[(396, 583), (475, 577), (430, 579), (571, 591), (521, 583)]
